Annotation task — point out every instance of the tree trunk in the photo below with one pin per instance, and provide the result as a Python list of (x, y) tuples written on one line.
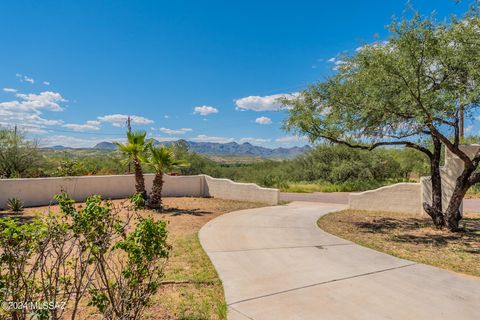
[(139, 181), (155, 201), (435, 210), (453, 214)]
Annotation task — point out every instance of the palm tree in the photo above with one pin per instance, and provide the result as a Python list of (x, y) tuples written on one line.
[(135, 150), (162, 159)]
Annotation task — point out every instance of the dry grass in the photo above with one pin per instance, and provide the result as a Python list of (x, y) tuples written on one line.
[(203, 298), (411, 237)]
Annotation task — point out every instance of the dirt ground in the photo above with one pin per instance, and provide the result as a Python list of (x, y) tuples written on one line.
[(185, 215), (411, 237)]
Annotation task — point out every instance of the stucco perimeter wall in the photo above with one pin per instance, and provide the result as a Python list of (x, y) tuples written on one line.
[(409, 197), (227, 189), (452, 168), (40, 191), (400, 197)]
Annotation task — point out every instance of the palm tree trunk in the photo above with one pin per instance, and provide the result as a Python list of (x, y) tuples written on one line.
[(155, 201), (139, 181)]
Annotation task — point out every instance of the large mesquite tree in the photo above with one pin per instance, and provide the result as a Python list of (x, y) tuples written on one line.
[(411, 90)]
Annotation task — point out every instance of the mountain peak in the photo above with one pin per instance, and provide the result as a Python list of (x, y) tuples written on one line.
[(230, 148)]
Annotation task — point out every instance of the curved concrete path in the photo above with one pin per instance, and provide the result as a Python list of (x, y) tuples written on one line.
[(275, 263)]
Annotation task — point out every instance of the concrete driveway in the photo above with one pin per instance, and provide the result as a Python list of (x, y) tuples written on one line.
[(275, 263)]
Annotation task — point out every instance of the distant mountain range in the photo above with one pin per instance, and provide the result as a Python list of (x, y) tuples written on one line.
[(231, 148)]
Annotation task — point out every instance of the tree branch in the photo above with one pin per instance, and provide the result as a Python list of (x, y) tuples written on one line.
[(375, 145), (451, 146)]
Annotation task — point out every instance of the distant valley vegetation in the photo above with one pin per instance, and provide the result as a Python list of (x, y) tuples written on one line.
[(323, 167)]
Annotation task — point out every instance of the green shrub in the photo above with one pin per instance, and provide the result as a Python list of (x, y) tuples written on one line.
[(91, 251), (137, 201), (69, 167), (138, 276), (19, 157), (19, 245), (271, 181)]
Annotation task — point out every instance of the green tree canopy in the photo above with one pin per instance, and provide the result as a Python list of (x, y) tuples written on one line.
[(412, 88), (411, 85)]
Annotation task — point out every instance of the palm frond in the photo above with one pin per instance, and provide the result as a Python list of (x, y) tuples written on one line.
[(135, 147), (162, 159)]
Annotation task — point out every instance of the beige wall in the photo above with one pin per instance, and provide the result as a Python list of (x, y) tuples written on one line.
[(400, 197), (452, 168), (409, 197), (227, 189), (40, 191)]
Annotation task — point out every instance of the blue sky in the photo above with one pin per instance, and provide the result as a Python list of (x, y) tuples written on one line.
[(198, 70)]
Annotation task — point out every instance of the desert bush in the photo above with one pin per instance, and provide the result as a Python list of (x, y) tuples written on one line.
[(69, 167), (88, 252), (19, 264), (137, 201), (272, 181), (19, 157), (75, 162), (124, 292)]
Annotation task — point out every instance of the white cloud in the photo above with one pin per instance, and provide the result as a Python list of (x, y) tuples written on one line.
[(26, 118), (9, 90), (24, 78), (205, 110), (205, 138), (91, 125), (254, 140), (35, 102), (47, 83), (263, 103), (27, 110), (291, 139), (263, 120), (172, 131), (120, 120), (45, 100)]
